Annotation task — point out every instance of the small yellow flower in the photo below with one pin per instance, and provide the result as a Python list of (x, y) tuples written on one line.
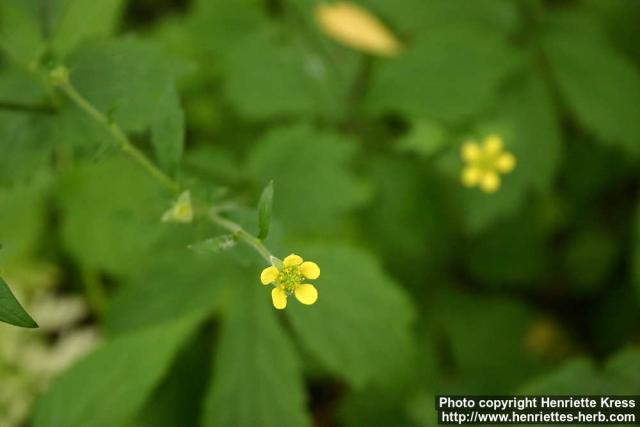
[(485, 163), (288, 280), (355, 27), (181, 211)]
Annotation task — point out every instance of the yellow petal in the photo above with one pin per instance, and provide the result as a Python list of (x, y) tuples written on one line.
[(493, 145), (490, 182), (310, 270), (471, 176), (306, 294), (354, 26), (292, 259), (269, 275), (506, 162), (470, 151), (279, 298)]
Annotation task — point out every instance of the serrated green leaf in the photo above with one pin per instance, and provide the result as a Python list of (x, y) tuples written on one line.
[(600, 86), (128, 80), (79, 20), (221, 23), (167, 130), (109, 386), (255, 350), (457, 74), (308, 166), (270, 75), (264, 211), (174, 285), (10, 309), (26, 146), (112, 213), (359, 328)]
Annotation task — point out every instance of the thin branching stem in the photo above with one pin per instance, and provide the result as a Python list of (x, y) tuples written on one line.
[(119, 136), (139, 157), (241, 233)]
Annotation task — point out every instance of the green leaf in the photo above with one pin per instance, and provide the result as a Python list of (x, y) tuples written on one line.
[(109, 386), (315, 187), (264, 211), (457, 73), (619, 376), (622, 371), (512, 253), (177, 401), (600, 86), (22, 220), (589, 259), (270, 75), (20, 34), (167, 131), (256, 378), (26, 146), (496, 368), (84, 19), (174, 285), (222, 23), (111, 214), (10, 309), (426, 138), (577, 376), (419, 16), (359, 328), (130, 81), (409, 205)]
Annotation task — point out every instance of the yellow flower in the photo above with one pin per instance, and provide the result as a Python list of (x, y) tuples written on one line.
[(355, 27), (288, 280), (181, 211), (485, 163)]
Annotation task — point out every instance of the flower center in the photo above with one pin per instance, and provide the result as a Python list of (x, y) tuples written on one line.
[(289, 278), (486, 162)]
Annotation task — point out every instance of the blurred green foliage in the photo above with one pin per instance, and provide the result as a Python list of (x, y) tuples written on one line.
[(427, 287)]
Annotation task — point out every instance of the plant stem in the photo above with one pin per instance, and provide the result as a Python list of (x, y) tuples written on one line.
[(238, 231), (125, 145), (119, 136)]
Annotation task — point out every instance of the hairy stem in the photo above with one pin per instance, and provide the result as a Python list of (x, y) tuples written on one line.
[(119, 136), (139, 157), (242, 234)]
